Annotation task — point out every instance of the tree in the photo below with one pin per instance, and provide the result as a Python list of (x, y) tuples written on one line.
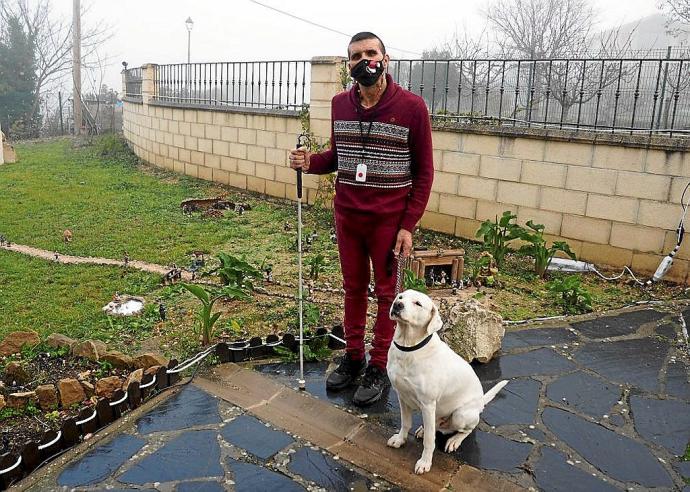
[(549, 35), (539, 29), (17, 78), (678, 11), (52, 39)]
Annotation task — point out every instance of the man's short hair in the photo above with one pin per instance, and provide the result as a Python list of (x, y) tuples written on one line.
[(361, 36)]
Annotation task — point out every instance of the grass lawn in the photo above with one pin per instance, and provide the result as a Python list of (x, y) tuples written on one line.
[(113, 204)]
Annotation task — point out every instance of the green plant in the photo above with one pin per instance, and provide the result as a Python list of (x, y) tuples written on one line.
[(234, 327), (205, 316), (537, 248), (236, 271), (104, 368), (30, 352), (310, 316), (31, 409), (497, 234), (316, 264), (410, 281), (314, 349), (573, 297), (476, 267), (8, 413), (53, 417)]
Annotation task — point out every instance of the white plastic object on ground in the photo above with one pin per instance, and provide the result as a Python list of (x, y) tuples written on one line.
[(128, 307), (568, 265)]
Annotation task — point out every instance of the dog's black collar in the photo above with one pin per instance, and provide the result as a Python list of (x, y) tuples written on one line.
[(414, 347)]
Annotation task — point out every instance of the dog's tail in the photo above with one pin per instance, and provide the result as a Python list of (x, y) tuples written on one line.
[(489, 395)]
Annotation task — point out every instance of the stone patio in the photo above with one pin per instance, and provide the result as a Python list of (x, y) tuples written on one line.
[(197, 442), (601, 404)]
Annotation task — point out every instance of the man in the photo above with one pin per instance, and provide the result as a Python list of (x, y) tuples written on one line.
[(381, 150)]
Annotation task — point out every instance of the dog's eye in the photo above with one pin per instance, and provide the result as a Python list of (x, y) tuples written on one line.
[(418, 303)]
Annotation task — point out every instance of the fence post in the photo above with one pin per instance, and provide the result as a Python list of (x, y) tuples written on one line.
[(326, 82), (148, 86), (2, 137)]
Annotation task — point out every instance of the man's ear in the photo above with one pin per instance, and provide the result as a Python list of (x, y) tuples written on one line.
[(435, 323)]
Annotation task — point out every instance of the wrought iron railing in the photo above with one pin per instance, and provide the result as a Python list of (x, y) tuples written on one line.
[(262, 84), (633, 95), (133, 78)]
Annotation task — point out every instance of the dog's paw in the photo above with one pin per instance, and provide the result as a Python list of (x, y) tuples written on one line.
[(454, 442), (396, 441), (419, 433), (423, 465)]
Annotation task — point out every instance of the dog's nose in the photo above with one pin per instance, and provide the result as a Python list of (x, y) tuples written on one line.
[(398, 306)]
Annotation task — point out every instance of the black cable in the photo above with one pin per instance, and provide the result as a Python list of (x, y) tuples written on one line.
[(322, 26)]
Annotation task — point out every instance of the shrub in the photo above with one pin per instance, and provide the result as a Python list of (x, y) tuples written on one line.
[(236, 272), (573, 297), (205, 317), (497, 234), (411, 281), (538, 250)]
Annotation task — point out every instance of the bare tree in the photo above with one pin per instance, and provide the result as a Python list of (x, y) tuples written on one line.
[(539, 29), (679, 13), (52, 36)]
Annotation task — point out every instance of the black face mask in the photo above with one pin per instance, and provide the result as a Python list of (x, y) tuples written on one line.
[(367, 72)]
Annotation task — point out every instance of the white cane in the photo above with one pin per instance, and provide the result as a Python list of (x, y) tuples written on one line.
[(301, 382)]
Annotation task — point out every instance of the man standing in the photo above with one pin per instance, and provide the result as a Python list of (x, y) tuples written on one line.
[(381, 150)]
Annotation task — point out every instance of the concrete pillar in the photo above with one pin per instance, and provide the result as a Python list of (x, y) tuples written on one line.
[(326, 82), (124, 83), (148, 76)]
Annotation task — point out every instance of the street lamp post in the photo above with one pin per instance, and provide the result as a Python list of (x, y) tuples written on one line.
[(189, 23)]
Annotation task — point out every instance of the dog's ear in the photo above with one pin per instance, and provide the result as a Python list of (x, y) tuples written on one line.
[(435, 323)]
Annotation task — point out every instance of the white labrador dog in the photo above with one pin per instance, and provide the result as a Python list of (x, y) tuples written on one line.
[(430, 377)]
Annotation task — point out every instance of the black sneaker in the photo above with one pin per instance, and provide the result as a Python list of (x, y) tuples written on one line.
[(374, 383), (345, 374)]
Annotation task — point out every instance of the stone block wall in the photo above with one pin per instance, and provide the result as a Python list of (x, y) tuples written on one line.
[(615, 199), (616, 202)]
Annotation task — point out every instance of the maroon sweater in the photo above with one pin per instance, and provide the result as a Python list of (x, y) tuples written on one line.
[(397, 151)]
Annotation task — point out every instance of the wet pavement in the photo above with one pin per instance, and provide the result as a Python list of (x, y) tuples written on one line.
[(196, 442), (601, 404)]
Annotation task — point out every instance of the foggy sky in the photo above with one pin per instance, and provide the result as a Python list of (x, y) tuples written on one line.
[(237, 30)]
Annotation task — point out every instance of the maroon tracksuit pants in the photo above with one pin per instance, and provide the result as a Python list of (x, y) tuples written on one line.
[(362, 237)]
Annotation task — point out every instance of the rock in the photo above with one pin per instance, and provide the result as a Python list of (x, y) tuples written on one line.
[(19, 401), (58, 340), (71, 392), (117, 359), (3, 404), (47, 396), (106, 387), (144, 361), (101, 347), (134, 376), (152, 370), (470, 329), (83, 376), (89, 388), (85, 349), (15, 374), (14, 342)]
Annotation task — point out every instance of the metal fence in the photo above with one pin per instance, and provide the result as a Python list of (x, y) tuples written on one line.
[(263, 84), (133, 78), (631, 95)]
